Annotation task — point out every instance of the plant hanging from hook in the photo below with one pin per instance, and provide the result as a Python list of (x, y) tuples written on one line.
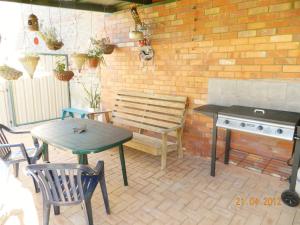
[(50, 35), (141, 34)]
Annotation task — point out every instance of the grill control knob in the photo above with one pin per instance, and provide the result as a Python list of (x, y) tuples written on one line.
[(260, 127), (243, 125), (279, 131), (226, 121)]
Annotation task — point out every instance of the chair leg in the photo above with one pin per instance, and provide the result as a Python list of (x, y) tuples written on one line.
[(104, 191), (46, 214), (56, 210), (87, 208), (16, 169), (36, 186)]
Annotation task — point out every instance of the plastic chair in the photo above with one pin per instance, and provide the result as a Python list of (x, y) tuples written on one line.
[(69, 184), (13, 154)]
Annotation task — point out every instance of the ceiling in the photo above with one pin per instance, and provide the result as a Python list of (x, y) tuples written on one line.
[(108, 6)]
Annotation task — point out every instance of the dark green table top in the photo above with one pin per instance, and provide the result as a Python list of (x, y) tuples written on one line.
[(98, 136)]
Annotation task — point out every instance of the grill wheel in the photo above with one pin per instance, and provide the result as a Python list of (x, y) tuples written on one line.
[(290, 198)]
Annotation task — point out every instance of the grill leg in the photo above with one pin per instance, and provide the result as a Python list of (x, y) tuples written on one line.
[(295, 166), (227, 146), (214, 146)]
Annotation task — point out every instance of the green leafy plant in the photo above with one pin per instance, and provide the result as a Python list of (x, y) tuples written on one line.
[(96, 51), (60, 66), (92, 96)]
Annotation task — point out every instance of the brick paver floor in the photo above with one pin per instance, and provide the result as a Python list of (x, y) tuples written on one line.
[(184, 193)]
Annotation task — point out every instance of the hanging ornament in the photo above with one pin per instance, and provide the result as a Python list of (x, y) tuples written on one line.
[(33, 23), (30, 63), (36, 41)]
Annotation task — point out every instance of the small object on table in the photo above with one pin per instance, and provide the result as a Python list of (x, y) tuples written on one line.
[(80, 129)]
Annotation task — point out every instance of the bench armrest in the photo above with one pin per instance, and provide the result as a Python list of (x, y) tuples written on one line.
[(168, 130)]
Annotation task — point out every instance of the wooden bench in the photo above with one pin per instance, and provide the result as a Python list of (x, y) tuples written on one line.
[(157, 121)]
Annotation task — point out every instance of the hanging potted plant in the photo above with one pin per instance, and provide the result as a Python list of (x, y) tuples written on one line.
[(104, 44), (9, 73), (30, 62), (95, 56), (51, 39), (79, 59), (61, 73)]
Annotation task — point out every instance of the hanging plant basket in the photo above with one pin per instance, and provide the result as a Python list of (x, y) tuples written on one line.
[(79, 59), (64, 75), (54, 45), (108, 48), (93, 62), (30, 63), (9, 73)]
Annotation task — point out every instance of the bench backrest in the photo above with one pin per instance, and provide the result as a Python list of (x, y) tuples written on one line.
[(150, 112)]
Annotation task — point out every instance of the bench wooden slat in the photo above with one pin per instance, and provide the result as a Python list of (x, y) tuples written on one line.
[(152, 122), (160, 116), (149, 144), (176, 112), (154, 96), (137, 125), (166, 104)]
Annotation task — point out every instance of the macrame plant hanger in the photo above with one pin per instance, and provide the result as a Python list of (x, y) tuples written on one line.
[(29, 61)]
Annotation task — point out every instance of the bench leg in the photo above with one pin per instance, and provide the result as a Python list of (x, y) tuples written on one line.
[(179, 143), (71, 114), (164, 152)]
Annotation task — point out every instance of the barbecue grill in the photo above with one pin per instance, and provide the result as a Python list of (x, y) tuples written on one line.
[(272, 123)]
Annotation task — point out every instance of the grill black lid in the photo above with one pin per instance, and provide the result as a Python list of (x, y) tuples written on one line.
[(272, 116)]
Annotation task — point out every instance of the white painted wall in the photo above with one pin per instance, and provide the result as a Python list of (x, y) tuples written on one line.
[(74, 26)]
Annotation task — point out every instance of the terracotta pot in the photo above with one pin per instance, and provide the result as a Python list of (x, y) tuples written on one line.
[(30, 63), (93, 62), (79, 60), (64, 76)]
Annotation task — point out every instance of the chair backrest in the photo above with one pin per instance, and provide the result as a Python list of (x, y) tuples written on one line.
[(61, 184), (150, 112), (5, 151)]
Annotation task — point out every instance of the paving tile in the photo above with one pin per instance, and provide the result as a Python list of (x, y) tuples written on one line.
[(182, 194)]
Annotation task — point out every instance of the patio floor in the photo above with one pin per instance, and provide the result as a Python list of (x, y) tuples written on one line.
[(182, 194)]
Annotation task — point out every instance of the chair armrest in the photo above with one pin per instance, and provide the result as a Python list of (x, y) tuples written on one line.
[(16, 132), (21, 146), (168, 130)]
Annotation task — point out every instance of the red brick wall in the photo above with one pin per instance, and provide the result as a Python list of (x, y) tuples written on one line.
[(195, 40)]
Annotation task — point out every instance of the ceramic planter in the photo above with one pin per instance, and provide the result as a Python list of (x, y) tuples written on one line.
[(33, 23), (136, 35), (93, 62), (30, 63)]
